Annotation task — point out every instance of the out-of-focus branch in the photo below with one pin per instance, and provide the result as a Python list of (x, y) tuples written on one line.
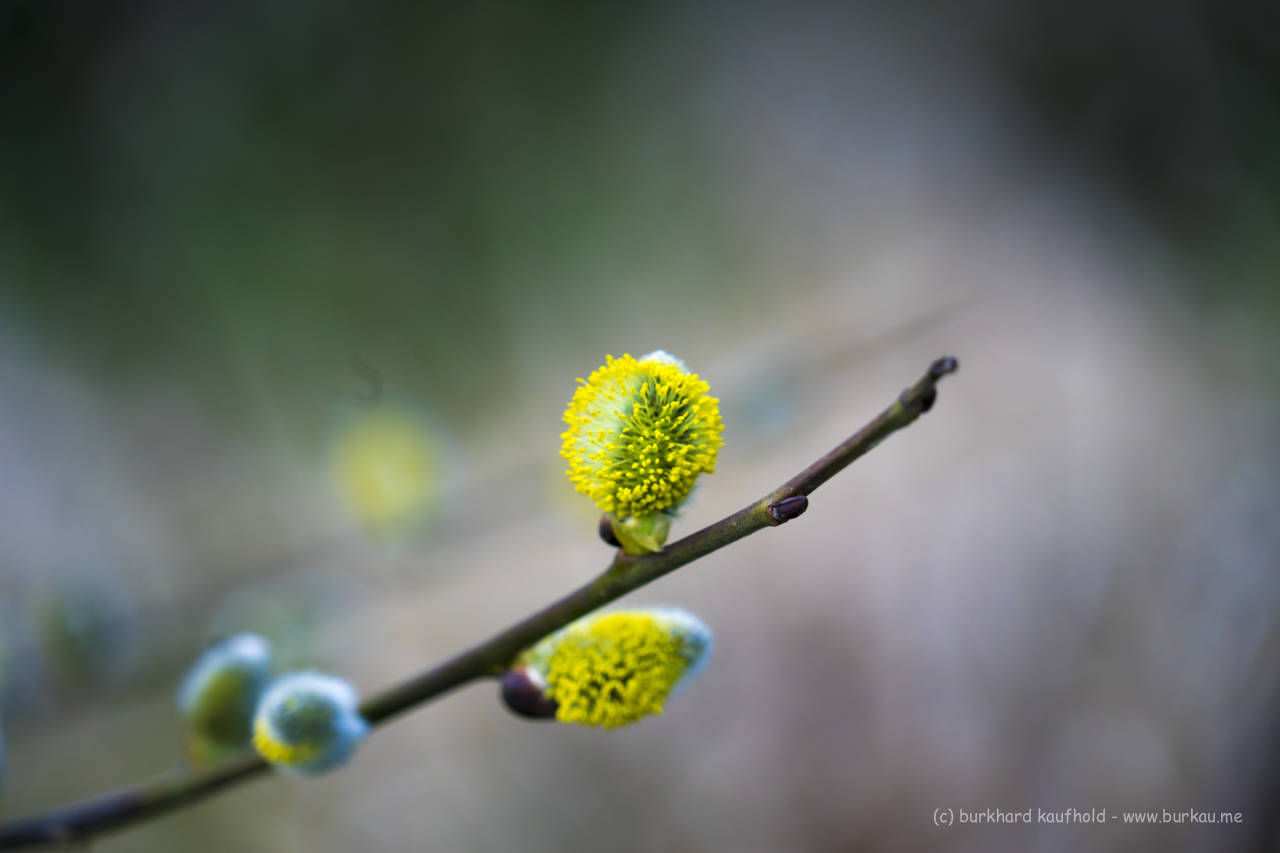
[(491, 658)]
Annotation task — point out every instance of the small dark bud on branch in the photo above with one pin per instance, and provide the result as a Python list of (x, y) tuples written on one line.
[(789, 508), (942, 367), (524, 698), (928, 399), (606, 532)]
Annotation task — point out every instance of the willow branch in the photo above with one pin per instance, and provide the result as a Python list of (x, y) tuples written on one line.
[(493, 657)]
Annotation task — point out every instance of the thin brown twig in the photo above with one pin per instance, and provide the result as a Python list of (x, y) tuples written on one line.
[(490, 659)]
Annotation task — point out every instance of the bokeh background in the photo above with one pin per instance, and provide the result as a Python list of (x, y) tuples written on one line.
[(255, 257)]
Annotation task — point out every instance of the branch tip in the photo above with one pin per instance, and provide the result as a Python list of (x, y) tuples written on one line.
[(943, 366)]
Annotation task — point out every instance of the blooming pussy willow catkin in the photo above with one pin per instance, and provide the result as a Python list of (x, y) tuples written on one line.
[(640, 432), (614, 668), (221, 690), (308, 722)]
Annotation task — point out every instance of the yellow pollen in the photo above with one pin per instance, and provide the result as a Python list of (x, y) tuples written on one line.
[(645, 454), (613, 670), (278, 752)]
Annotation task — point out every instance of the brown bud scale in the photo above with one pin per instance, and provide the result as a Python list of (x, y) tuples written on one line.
[(524, 698)]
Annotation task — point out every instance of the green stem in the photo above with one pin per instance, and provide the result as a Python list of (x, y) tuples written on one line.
[(491, 658)]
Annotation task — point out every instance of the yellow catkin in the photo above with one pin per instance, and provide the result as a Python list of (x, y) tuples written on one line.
[(614, 670), (640, 433), (278, 752)]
